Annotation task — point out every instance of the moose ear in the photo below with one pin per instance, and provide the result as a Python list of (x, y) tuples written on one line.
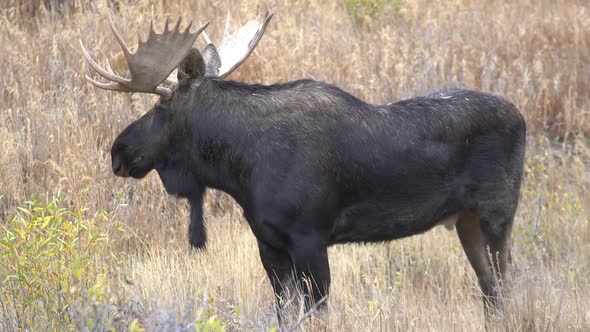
[(192, 69), (212, 60)]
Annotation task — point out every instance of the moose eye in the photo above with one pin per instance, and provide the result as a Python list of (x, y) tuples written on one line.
[(159, 109)]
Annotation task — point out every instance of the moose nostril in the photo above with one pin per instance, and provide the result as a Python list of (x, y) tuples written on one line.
[(136, 160), (116, 165)]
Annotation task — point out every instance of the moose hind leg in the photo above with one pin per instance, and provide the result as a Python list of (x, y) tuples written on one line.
[(497, 232), (487, 251)]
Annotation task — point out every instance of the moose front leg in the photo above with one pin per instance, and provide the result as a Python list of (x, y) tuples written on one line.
[(312, 271), (303, 269), (279, 269)]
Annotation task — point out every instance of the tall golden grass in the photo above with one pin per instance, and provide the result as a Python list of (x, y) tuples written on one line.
[(56, 131)]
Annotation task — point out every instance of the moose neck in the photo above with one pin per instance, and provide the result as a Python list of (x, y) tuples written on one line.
[(218, 130)]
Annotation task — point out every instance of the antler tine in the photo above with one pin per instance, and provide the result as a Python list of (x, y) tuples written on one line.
[(177, 26), (190, 24), (166, 25), (140, 40), (152, 30), (113, 86), (260, 31), (227, 25), (101, 71), (118, 36), (109, 68), (206, 37)]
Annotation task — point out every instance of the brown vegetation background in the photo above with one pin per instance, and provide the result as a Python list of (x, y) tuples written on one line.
[(56, 132)]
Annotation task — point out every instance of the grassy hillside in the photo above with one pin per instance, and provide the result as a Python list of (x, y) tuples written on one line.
[(131, 267)]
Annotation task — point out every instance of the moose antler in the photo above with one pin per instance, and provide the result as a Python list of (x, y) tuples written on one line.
[(151, 63), (235, 47)]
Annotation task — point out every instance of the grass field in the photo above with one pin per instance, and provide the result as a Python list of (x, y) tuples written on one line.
[(96, 251)]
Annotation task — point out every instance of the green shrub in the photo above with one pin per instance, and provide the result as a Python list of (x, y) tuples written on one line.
[(51, 258), (364, 10), (212, 324)]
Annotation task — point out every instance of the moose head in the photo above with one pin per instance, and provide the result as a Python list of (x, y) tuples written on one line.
[(143, 145)]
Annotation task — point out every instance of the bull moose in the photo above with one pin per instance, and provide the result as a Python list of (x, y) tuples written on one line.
[(311, 165)]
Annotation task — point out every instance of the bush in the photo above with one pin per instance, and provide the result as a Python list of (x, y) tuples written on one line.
[(363, 11), (51, 258)]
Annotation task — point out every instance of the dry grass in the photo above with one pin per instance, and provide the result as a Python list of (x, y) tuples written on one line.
[(56, 132)]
